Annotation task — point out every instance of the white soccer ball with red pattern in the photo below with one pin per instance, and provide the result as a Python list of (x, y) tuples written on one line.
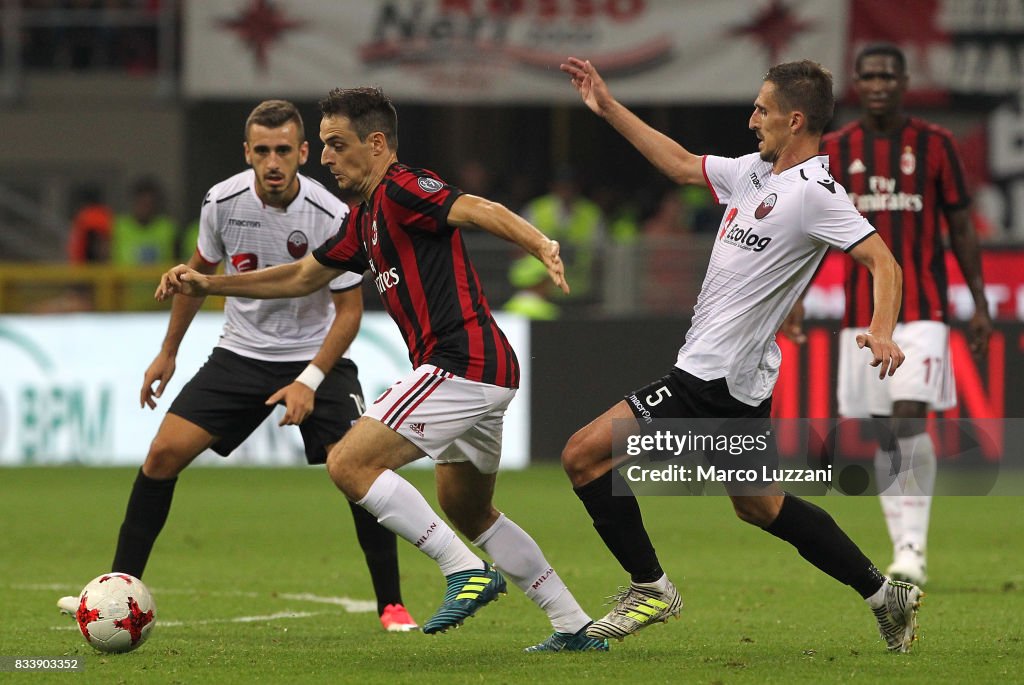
[(116, 613)]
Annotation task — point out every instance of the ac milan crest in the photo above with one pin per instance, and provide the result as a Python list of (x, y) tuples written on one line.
[(766, 206), (298, 244), (907, 161)]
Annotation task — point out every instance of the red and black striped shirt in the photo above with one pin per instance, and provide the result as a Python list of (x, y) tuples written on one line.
[(424, 276), (903, 183)]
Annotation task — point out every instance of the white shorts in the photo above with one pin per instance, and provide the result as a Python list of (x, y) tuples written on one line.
[(450, 418), (925, 376)]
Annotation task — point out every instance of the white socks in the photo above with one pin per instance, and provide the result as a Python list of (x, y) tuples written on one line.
[(907, 496), (401, 508), (877, 600), (889, 492), (517, 556)]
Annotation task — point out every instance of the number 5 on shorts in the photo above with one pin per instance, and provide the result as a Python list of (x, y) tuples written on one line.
[(659, 395)]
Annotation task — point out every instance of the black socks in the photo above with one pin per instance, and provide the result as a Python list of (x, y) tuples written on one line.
[(618, 521), (380, 546), (148, 506), (822, 542)]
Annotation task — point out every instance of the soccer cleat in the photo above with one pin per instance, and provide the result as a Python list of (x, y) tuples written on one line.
[(68, 605), (897, 617), (637, 606), (396, 619), (467, 592), (570, 642), (909, 566)]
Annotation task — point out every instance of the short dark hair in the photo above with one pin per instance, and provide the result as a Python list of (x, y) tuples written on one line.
[(274, 114), (885, 50), (368, 110), (804, 86)]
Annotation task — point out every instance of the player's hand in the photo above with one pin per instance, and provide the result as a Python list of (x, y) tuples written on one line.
[(556, 269), (159, 372), (181, 280), (589, 84), (793, 325), (979, 330), (298, 403), (887, 354)]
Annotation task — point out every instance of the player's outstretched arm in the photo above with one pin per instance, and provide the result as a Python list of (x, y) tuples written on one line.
[(888, 294), (183, 311), (470, 211), (668, 156), (287, 280)]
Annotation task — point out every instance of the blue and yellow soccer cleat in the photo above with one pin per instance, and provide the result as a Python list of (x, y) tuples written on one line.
[(467, 592), (570, 642)]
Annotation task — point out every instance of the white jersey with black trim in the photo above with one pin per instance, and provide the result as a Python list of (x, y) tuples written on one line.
[(235, 226), (774, 234)]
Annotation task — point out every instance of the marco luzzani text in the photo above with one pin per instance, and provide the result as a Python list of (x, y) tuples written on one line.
[(667, 442)]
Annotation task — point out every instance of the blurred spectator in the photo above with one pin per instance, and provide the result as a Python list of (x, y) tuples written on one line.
[(703, 212), (89, 240), (577, 223), (533, 290), (144, 235), (475, 178), (91, 35), (670, 254), (620, 213), (188, 240)]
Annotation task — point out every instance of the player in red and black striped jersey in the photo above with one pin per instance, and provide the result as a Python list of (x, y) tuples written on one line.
[(407, 232), (904, 174), (421, 269)]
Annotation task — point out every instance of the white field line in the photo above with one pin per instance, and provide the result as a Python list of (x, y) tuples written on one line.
[(239, 619), (351, 606)]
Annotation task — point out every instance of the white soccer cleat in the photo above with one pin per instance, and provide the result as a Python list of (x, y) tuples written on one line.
[(897, 617), (909, 566), (636, 607), (68, 605)]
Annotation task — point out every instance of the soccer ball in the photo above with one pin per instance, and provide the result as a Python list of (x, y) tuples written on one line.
[(116, 613)]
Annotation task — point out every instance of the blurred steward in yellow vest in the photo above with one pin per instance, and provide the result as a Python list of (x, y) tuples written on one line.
[(579, 226), (533, 290), (144, 235)]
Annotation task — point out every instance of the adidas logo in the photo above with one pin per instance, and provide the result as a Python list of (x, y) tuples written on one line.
[(857, 167), (417, 428)]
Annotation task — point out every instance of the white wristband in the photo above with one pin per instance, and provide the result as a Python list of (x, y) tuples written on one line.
[(311, 377)]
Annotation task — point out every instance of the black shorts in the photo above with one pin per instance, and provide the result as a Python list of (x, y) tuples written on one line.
[(681, 395), (708, 409), (226, 399)]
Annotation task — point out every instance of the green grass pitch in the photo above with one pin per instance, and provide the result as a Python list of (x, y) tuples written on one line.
[(255, 569)]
